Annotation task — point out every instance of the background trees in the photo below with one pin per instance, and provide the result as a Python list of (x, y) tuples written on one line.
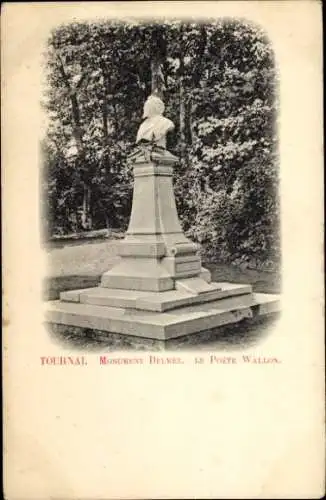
[(219, 84)]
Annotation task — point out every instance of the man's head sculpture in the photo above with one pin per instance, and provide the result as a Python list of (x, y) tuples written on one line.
[(154, 128), (154, 106)]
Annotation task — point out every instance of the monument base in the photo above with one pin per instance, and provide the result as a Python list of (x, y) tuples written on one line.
[(159, 315), (158, 290), (243, 333)]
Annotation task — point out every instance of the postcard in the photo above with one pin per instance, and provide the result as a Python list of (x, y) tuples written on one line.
[(163, 250)]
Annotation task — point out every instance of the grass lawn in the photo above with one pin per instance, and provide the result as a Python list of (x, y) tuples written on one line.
[(80, 264)]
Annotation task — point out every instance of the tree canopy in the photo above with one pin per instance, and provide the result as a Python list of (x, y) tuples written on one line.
[(219, 83)]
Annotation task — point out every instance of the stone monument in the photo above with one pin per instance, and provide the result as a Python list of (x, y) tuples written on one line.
[(159, 289), (156, 126)]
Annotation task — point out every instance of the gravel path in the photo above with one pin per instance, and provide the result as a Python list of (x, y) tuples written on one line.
[(87, 257)]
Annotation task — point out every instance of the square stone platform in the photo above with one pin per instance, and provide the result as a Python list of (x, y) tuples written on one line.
[(159, 315)]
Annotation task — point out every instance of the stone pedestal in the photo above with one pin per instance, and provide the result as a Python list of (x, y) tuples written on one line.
[(155, 253), (159, 289)]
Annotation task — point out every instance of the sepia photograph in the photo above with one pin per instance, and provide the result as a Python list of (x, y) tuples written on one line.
[(160, 184), (163, 236)]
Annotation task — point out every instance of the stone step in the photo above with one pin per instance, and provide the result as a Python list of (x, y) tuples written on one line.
[(196, 286), (161, 325), (154, 301)]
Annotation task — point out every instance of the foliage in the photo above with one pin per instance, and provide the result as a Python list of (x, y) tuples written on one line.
[(220, 89)]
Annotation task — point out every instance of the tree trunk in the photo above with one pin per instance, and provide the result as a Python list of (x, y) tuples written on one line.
[(182, 99), (182, 112), (77, 128), (105, 106), (157, 78), (105, 121), (107, 221), (86, 213), (190, 123), (78, 134), (105, 117), (200, 57), (158, 55)]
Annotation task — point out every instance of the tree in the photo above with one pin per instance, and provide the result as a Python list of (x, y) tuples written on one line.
[(157, 56), (219, 84)]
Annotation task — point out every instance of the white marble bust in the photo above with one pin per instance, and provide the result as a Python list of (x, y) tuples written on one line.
[(155, 126)]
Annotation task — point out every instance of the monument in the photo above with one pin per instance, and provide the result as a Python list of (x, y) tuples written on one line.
[(159, 289)]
